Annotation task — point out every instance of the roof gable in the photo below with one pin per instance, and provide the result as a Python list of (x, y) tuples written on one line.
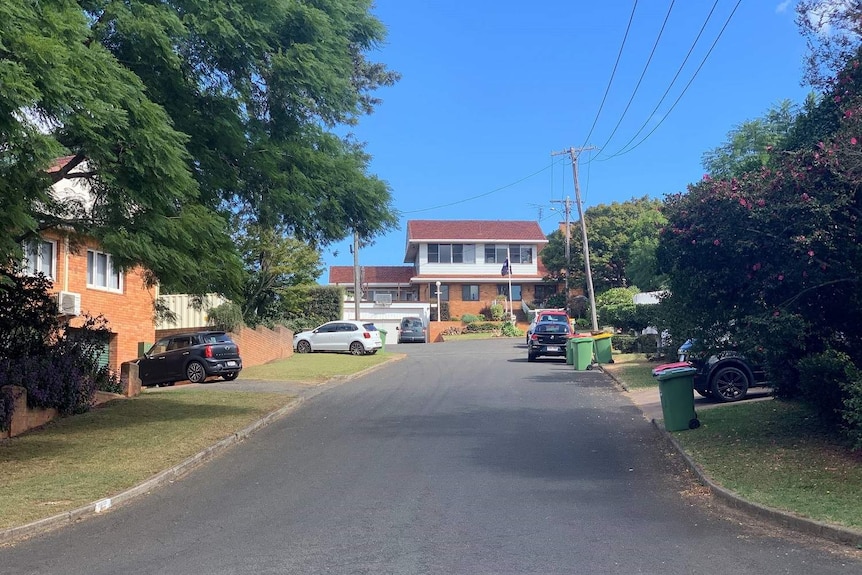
[(372, 274), (475, 230)]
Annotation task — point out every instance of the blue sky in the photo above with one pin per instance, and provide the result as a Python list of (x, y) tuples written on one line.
[(490, 89)]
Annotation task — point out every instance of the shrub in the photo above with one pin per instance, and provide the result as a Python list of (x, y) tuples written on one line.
[(497, 311), (511, 330), (851, 412), (470, 318), (299, 324), (822, 378), (227, 317), (624, 343), (481, 327)]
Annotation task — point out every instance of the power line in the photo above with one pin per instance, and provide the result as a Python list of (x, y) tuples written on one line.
[(673, 81), (613, 73), (723, 28), (643, 73), (482, 195)]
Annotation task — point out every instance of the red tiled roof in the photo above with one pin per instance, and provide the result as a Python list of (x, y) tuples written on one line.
[(485, 230), (372, 274), (59, 163)]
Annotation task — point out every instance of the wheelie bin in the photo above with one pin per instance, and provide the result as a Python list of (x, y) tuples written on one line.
[(583, 351), (570, 351), (676, 390), (603, 348)]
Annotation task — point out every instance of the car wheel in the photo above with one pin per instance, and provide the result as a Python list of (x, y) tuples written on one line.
[(531, 357), (195, 372), (303, 347), (230, 376), (729, 384), (356, 348)]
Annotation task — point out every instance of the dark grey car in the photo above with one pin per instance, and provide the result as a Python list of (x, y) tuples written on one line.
[(190, 356), (411, 329)]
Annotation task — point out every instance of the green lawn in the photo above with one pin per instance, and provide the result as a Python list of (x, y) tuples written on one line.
[(774, 453), (316, 367)]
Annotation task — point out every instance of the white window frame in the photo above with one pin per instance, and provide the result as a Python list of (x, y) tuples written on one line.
[(39, 264), (110, 271)]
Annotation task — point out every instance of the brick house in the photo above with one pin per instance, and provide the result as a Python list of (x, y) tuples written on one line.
[(86, 282), (466, 257)]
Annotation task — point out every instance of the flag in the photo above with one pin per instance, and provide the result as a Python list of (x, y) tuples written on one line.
[(506, 269)]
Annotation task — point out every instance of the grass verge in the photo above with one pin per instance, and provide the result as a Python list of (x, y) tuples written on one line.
[(775, 453), (633, 369), (77, 460)]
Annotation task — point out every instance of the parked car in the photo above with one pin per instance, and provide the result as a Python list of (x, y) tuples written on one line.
[(356, 337), (724, 376), (547, 315), (549, 338), (190, 356), (411, 329)]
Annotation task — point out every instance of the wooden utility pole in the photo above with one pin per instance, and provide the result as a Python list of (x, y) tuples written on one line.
[(573, 153), (357, 277)]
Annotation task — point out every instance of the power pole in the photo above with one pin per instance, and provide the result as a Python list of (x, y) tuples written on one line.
[(568, 209), (357, 277), (573, 153)]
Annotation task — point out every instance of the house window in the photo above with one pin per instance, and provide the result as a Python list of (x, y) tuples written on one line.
[(545, 291), (496, 254), (101, 272), (444, 292), (520, 254), (503, 289), (452, 253), (470, 292), (40, 256)]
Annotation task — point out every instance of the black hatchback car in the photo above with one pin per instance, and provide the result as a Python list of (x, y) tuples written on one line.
[(190, 356), (549, 338)]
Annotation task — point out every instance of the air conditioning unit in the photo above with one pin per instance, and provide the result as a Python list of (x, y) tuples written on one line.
[(383, 298), (69, 303)]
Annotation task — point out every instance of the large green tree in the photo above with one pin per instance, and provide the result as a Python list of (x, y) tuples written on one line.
[(189, 113), (622, 237), (749, 145)]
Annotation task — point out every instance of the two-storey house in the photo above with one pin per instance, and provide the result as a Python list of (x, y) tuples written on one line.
[(465, 258), (86, 281)]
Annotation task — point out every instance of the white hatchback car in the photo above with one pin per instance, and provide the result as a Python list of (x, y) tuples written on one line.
[(356, 337)]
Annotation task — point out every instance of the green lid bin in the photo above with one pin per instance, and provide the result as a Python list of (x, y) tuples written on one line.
[(603, 348), (383, 333), (570, 351), (676, 389), (583, 356)]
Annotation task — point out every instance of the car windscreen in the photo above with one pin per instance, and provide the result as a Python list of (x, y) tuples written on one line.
[(411, 323), (556, 327)]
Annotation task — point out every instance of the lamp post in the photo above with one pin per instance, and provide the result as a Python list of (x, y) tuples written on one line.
[(438, 303)]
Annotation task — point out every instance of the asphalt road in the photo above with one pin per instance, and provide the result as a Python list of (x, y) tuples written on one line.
[(460, 459)]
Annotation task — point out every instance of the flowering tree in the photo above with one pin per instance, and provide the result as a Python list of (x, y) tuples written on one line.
[(771, 260)]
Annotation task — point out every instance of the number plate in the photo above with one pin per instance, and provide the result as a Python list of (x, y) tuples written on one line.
[(553, 348), (231, 364)]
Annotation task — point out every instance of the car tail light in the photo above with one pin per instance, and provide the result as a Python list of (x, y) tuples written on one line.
[(534, 337), (208, 351), (237, 350), (366, 335)]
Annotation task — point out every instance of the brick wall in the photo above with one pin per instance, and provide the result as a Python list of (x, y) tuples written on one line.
[(256, 346), (129, 312)]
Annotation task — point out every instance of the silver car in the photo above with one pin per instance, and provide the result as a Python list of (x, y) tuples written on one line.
[(355, 337)]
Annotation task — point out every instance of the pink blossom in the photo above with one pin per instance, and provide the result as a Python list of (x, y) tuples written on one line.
[(776, 313), (756, 266), (848, 113), (810, 253), (742, 202), (805, 197), (780, 277), (853, 141), (716, 242), (836, 99), (761, 202), (706, 178), (693, 242)]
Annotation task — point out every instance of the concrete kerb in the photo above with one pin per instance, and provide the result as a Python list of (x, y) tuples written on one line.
[(14, 534), (827, 531)]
